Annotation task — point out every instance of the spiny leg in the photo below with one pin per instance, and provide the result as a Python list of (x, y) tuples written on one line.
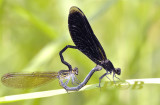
[(67, 82), (117, 77), (114, 75), (75, 81), (108, 77), (61, 56), (101, 78)]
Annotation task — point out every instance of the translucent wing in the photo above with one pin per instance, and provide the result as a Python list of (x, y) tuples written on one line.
[(27, 80), (83, 36)]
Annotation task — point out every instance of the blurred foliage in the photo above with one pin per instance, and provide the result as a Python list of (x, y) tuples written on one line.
[(32, 32)]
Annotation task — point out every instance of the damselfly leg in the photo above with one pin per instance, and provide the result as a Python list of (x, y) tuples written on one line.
[(66, 75), (102, 77)]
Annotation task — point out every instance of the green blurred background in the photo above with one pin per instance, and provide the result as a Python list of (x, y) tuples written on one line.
[(32, 32)]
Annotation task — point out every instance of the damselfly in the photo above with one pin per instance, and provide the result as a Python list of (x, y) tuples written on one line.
[(86, 41)]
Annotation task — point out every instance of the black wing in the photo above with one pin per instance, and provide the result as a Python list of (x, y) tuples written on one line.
[(83, 36)]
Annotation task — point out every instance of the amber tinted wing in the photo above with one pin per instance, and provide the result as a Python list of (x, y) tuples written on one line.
[(27, 80), (83, 36)]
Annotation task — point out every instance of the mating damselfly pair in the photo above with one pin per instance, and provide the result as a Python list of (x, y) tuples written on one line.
[(86, 42)]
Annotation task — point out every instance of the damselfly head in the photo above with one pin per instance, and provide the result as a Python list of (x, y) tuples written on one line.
[(118, 71)]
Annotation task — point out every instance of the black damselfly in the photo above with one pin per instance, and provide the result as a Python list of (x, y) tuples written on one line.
[(86, 41)]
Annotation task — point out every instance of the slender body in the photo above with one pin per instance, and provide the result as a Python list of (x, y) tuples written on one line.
[(86, 41)]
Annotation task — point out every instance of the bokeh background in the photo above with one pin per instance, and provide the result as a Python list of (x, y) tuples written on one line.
[(32, 32)]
